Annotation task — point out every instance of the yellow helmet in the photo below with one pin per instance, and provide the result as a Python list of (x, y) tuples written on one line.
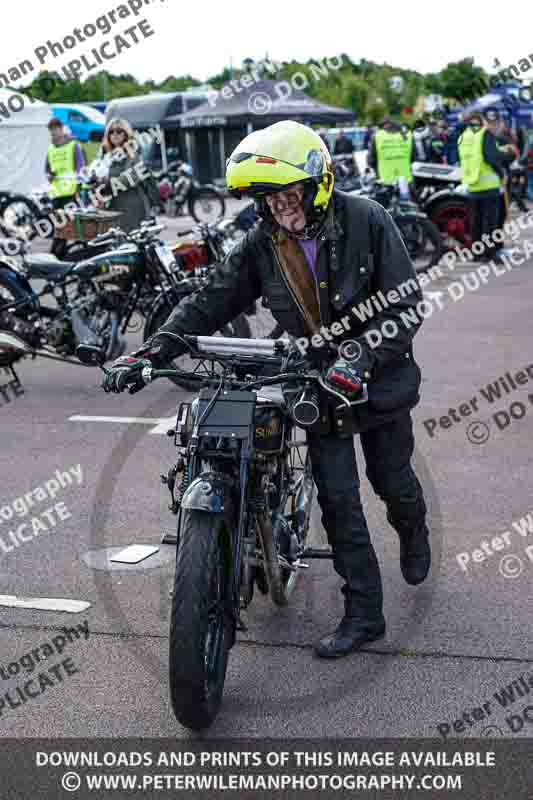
[(272, 159)]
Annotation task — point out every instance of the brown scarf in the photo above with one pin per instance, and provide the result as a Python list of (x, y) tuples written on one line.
[(300, 277)]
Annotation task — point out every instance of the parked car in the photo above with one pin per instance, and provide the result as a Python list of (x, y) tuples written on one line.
[(86, 123)]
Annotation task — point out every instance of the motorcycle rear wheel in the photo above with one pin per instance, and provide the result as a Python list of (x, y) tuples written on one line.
[(422, 239), (281, 580), (201, 624)]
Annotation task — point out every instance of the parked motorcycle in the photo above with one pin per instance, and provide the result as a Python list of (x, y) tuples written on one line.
[(438, 190), (94, 299), (518, 186), (205, 203), (242, 490), (19, 213), (206, 245), (347, 176), (421, 237)]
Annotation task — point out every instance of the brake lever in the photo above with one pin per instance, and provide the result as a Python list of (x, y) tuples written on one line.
[(345, 401)]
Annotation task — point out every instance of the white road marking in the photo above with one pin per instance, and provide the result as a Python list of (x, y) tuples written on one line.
[(165, 425), (161, 424), (43, 603), (134, 553), (128, 420)]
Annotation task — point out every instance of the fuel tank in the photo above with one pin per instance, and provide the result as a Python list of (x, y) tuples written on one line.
[(115, 265)]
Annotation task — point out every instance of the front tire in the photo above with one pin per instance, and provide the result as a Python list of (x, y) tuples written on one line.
[(201, 624)]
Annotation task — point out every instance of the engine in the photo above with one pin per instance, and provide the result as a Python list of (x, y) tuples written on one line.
[(90, 319)]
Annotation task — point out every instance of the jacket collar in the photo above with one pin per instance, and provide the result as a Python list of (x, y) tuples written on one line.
[(331, 229)]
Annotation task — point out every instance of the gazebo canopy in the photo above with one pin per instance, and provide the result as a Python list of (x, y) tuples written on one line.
[(263, 103)]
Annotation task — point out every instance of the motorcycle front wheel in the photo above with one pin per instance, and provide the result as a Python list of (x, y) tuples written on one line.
[(201, 623)]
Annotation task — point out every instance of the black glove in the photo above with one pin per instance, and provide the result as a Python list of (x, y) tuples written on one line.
[(345, 379), (125, 372)]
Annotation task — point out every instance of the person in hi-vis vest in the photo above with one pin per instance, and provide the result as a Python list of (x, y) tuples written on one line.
[(484, 175), (64, 161), (391, 153)]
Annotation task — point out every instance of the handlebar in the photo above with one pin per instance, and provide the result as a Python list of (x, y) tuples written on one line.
[(148, 231), (268, 351)]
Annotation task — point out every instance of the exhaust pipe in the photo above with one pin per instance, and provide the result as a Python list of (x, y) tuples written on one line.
[(11, 343)]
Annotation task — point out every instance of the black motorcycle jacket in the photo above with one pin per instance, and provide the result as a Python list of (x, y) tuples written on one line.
[(367, 290)]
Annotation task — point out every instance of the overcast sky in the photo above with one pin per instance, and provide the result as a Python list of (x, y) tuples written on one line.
[(201, 38)]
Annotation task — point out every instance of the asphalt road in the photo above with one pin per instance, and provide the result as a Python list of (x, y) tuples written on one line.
[(451, 643)]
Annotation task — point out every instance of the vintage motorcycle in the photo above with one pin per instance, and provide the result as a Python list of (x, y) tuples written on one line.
[(438, 190), (242, 490), (179, 189), (421, 237), (95, 299)]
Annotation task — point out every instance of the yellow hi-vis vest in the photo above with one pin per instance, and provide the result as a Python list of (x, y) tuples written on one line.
[(477, 174), (394, 155), (62, 161)]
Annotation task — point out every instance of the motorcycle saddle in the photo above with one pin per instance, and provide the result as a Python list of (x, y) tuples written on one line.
[(48, 267)]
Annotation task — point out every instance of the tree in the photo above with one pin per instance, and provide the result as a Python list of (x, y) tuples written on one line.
[(463, 81)]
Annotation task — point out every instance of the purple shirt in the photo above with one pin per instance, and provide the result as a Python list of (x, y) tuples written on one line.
[(309, 246)]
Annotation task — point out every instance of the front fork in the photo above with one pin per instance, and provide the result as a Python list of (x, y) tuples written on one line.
[(237, 523)]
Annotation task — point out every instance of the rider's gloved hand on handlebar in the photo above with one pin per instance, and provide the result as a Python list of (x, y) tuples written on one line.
[(158, 352), (342, 377), (124, 373)]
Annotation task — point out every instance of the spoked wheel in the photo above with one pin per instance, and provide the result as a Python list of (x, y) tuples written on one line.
[(238, 328), (422, 240), (18, 219), (300, 515), (207, 205), (454, 221), (291, 520), (201, 625)]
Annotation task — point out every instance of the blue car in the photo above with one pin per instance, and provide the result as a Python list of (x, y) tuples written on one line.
[(86, 124)]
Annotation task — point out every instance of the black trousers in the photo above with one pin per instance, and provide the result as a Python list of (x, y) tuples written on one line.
[(486, 216), (388, 450), (59, 246)]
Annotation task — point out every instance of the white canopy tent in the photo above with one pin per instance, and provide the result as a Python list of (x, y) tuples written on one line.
[(24, 141)]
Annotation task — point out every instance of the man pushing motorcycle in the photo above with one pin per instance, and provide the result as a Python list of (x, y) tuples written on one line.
[(318, 257)]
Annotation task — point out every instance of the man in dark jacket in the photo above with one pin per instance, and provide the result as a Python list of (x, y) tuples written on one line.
[(331, 267), (343, 145)]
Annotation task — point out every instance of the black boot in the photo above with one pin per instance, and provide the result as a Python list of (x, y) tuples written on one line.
[(351, 634), (415, 552)]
